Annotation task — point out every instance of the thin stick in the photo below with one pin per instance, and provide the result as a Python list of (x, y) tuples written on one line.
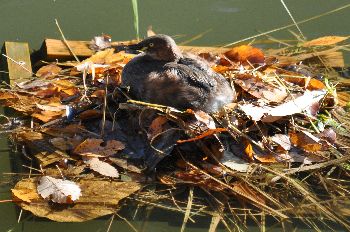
[(65, 41), (288, 26), (21, 64), (110, 223), (291, 16), (127, 222)]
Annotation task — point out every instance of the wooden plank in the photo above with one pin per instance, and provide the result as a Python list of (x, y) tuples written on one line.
[(56, 49), (17, 62)]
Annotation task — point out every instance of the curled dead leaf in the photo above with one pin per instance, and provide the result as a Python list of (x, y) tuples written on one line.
[(245, 54), (48, 71), (94, 146)]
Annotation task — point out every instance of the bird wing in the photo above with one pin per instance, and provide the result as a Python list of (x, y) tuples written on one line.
[(193, 73)]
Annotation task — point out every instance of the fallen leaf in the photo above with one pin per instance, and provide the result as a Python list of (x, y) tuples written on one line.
[(328, 135), (248, 149), (233, 162), (265, 158), (156, 126), (47, 116), (7, 95), (102, 167), (123, 163), (282, 140), (98, 198), (259, 89), (23, 195), (245, 54), (58, 190), (48, 107), (90, 114), (50, 70), (306, 141), (94, 146), (304, 103), (33, 84), (297, 156), (206, 133)]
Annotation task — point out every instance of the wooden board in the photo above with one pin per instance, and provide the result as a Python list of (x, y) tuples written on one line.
[(18, 64), (56, 49)]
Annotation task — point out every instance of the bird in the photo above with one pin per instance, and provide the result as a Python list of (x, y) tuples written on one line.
[(162, 74)]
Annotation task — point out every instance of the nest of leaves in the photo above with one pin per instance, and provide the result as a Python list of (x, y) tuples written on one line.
[(280, 149)]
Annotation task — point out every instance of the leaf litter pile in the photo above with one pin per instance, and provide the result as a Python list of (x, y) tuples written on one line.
[(280, 149)]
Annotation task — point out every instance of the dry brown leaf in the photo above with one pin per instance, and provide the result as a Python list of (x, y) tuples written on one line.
[(23, 195), (46, 158), (260, 89), (47, 116), (206, 133), (7, 95), (93, 146), (306, 141), (58, 190), (307, 83), (50, 70), (245, 54), (68, 131), (98, 198), (325, 41), (102, 167), (156, 126), (265, 158), (90, 114), (123, 163), (248, 150)]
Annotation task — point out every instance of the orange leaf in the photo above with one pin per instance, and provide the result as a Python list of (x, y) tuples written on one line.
[(50, 70), (245, 54), (47, 116), (89, 114), (7, 95), (248, 149), (265, 158), (156, 126), (203, 135), (306, 141), (220, 68)]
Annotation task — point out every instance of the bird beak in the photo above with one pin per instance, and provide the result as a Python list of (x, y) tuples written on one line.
[(134, 48)]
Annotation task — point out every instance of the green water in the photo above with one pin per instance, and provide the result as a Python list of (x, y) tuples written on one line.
[(221, 22)]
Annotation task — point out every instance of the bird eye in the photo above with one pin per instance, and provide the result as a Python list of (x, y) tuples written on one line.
[(151, 45)]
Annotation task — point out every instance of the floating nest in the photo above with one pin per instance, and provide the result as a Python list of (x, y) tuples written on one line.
[(279, 151)]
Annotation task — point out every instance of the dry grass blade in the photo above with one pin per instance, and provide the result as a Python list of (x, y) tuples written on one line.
[(309, 196), (291, 16), (188, 209), (252, 200), (215, 220), (65, 41), (289, 25)]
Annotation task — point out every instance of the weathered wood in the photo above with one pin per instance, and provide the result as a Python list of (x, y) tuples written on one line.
[(56, 49), (17, 62)]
